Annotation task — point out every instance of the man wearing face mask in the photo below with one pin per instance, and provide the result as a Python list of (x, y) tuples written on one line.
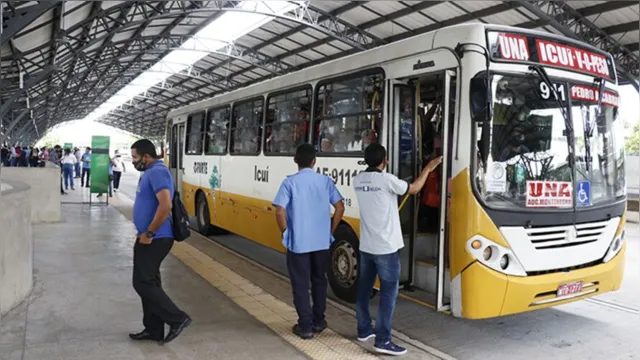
[(515, 145), (151, 216)]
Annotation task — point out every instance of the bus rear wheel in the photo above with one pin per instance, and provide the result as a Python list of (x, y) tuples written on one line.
[(203, 216), (344, 271)]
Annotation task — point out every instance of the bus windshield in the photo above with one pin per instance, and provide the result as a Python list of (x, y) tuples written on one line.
[(524, 158), (599, 145)]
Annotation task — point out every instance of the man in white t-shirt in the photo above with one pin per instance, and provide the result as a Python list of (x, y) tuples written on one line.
[(118, 169), (380, 240)]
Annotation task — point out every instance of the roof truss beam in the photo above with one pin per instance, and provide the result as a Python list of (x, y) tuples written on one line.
[(571, 23)]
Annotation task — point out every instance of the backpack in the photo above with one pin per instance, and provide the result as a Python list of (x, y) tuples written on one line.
[(179, 219)]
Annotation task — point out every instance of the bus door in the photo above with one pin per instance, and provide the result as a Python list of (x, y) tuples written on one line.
[(443, 299), (419, 102), (404, 164), (176, 157)]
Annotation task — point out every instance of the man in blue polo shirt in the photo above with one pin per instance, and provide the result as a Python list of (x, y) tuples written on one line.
[(303, 213), (151, 216)]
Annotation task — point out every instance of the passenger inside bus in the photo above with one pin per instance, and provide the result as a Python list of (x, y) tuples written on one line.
[(349, 114), (432, 132)]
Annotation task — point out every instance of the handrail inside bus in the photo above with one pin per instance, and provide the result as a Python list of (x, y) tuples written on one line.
[(406, 197)]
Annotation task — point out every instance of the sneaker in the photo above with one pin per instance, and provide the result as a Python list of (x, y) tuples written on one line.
[(366, 336), (390, 349), (302, 334), (318, 328)]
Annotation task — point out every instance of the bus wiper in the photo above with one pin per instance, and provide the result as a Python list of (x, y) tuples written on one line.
[(542, 73), (591, 122)]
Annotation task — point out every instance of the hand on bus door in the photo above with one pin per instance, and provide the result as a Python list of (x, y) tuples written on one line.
[(418, 183), (433, 164)]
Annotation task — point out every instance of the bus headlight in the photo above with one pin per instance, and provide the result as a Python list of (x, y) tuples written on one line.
[(495, 256), (614, 247)]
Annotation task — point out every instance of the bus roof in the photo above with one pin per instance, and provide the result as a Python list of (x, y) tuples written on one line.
[(366, 59)]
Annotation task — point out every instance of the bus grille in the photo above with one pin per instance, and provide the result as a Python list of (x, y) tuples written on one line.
[(544, 238), (567, 269)]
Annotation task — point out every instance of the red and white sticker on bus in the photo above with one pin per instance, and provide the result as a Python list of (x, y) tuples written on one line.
[(513, 47), (588, 93), (519, 47), (555, 54), (549, 194)]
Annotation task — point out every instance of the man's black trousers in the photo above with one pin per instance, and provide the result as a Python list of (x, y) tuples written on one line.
[(157, 307), (302, 268)]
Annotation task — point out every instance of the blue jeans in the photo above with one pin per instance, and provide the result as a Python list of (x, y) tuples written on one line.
[(387, 267), (67, 170)]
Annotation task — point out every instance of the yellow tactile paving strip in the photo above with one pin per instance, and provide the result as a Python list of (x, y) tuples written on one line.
[(277, 315)]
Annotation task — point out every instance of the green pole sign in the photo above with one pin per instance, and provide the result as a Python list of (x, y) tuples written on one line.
[(100, 164), (68, 146)]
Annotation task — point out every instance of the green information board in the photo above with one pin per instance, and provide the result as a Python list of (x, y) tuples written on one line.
[(100, 164), (68, 146)]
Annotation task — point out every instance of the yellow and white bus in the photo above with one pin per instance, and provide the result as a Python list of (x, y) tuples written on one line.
[(529, 207)]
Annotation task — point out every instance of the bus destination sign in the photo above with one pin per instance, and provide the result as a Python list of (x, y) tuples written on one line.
[(526, 48), (590, 94)]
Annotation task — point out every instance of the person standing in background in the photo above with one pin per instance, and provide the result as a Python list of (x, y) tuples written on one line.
[(86, 167), (78, 156), (303, 212), (68, 162), (118, 169), (4, 155), (34, 159)]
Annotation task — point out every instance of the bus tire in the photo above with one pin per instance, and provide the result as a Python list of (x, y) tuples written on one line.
[(203, 216), (344, 270)]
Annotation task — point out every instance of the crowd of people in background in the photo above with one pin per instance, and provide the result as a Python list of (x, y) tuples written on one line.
[(74, 164), (27, 156)]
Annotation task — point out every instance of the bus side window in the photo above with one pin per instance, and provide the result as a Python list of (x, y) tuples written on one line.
[(217, 130), (287, 122), (348, 113), (195, 132), (246, 127)]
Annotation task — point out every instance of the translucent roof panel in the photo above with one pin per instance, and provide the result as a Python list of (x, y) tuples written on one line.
[(128, 63)]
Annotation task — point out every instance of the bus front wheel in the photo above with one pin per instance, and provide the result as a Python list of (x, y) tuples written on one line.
[(343, 274)]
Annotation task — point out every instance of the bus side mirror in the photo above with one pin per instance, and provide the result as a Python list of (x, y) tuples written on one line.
[(480, 100)]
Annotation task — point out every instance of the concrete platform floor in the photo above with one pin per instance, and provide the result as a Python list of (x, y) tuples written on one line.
[(83, 305)]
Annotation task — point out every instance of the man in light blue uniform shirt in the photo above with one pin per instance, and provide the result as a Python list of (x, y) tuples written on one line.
[(303, 212)]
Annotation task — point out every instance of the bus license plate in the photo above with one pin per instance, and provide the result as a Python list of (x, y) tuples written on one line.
[(570, 288)]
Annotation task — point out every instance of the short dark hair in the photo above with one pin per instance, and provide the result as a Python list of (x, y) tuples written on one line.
[(305, 154), (374, 155), (145, 147)]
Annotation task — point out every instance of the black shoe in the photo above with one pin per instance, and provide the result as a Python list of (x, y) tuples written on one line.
[(175, 331), (302, 334), (318, 328), (144, 335)]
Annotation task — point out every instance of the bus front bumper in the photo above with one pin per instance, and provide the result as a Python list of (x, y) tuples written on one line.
[(487, 293)]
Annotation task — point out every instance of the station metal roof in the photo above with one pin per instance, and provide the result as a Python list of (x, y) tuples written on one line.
[(62, 59)]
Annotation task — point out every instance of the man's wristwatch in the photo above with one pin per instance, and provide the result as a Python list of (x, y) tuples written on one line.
[(150, 234)]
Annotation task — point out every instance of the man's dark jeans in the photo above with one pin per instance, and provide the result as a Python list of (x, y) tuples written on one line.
[(302, 268), (157, 307), (387, 267), (86, 172)]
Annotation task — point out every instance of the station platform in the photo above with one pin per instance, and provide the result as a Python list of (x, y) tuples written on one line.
[(83, 304)]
